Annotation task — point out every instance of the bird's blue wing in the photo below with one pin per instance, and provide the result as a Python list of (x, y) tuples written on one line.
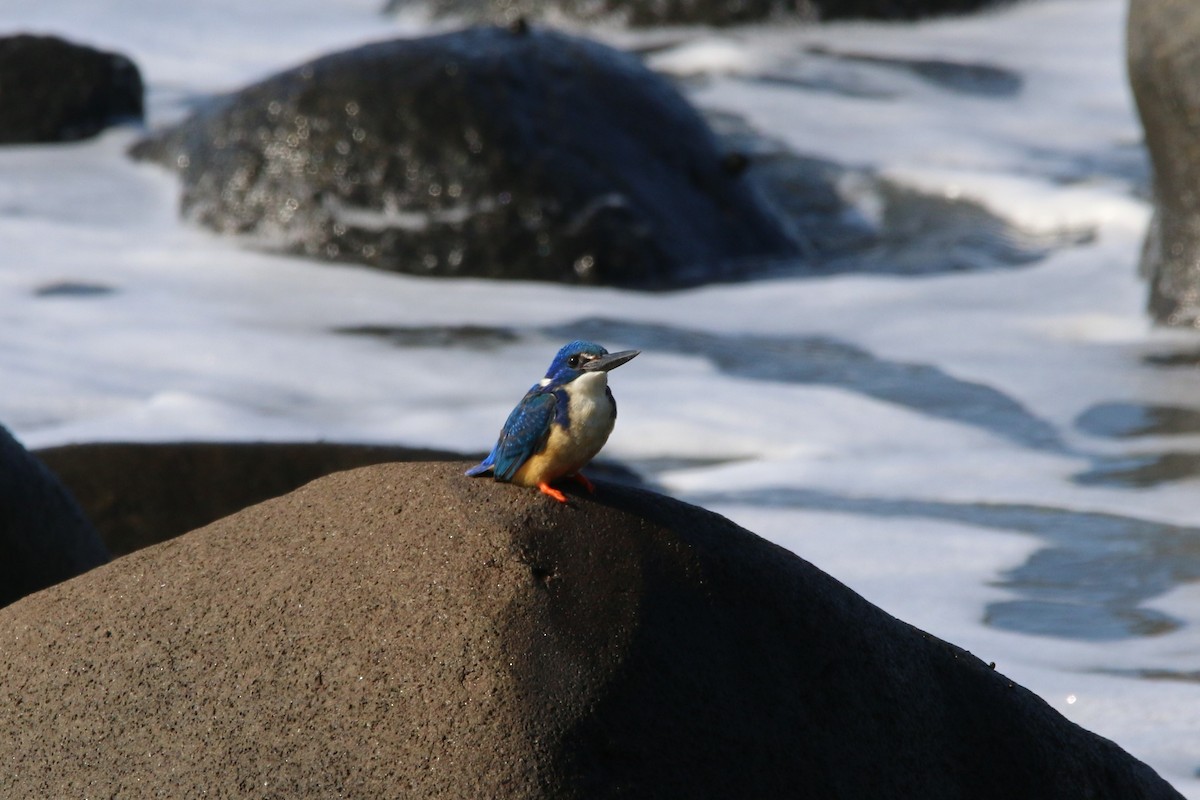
[(524, 433)]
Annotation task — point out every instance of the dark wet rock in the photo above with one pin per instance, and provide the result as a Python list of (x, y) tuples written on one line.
[(142, 494), (44, 536), (637, 13), (898, 9), (1164, 71), (402, 630), (58, 91), (645, 13), (483, 152), (1090, 582)]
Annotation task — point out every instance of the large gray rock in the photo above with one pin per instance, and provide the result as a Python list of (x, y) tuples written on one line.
[(1163, 50), (404, 631), (484, 152), (56, 91), (44, 537)]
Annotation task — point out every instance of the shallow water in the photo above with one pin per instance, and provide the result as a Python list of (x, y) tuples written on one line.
[(1087, 580)]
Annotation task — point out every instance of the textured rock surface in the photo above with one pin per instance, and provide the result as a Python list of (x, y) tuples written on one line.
[(692, 12), (44, 537), (482, 152), (401, 630), (1163, 49), (56, 91)]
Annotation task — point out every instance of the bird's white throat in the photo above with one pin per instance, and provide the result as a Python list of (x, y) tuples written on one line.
[(590, 411), (588, 385)]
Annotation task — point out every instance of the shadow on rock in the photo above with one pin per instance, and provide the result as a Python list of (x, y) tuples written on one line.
[(44, 536)]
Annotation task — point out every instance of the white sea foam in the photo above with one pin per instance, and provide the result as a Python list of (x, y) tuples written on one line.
[(205, 338)]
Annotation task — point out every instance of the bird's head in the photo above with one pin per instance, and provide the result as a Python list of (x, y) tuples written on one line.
[(581, 358)]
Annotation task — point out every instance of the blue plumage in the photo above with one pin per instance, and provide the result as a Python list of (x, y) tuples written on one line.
[(561, 423)]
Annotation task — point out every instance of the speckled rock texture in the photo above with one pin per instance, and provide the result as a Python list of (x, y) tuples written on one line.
[(404, 631), (53, 90), (1163, 51), (44, 536), (526, 154)]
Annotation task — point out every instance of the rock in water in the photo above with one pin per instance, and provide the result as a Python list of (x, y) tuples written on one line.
[(693, 12), (402, 630), (484, 152), (1163, 50), (897, 9), (44, 537), (56, 91)]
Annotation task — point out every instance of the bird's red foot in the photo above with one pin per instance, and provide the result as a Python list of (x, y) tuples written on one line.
[(582, 480), (546, 488)]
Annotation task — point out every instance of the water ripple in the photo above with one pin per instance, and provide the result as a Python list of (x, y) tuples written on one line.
[(1089, 582)]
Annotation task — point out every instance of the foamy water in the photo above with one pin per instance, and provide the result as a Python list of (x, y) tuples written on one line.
[(915, 437)]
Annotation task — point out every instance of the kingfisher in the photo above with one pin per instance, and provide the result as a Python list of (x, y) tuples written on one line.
[(561, 422)]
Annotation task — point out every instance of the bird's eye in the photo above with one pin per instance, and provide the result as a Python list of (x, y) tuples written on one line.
[(573, 362)]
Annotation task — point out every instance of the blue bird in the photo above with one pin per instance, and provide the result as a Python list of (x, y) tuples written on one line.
[(561, 422)]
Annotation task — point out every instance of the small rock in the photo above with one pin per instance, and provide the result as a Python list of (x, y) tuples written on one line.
[(57, 91)]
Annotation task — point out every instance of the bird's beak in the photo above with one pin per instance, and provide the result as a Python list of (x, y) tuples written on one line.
[(610, 361)]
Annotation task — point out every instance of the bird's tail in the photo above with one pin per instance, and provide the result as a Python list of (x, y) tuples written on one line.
[(482, 468)]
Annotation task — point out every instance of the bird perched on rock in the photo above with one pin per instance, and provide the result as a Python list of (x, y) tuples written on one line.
[(561, 422)]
